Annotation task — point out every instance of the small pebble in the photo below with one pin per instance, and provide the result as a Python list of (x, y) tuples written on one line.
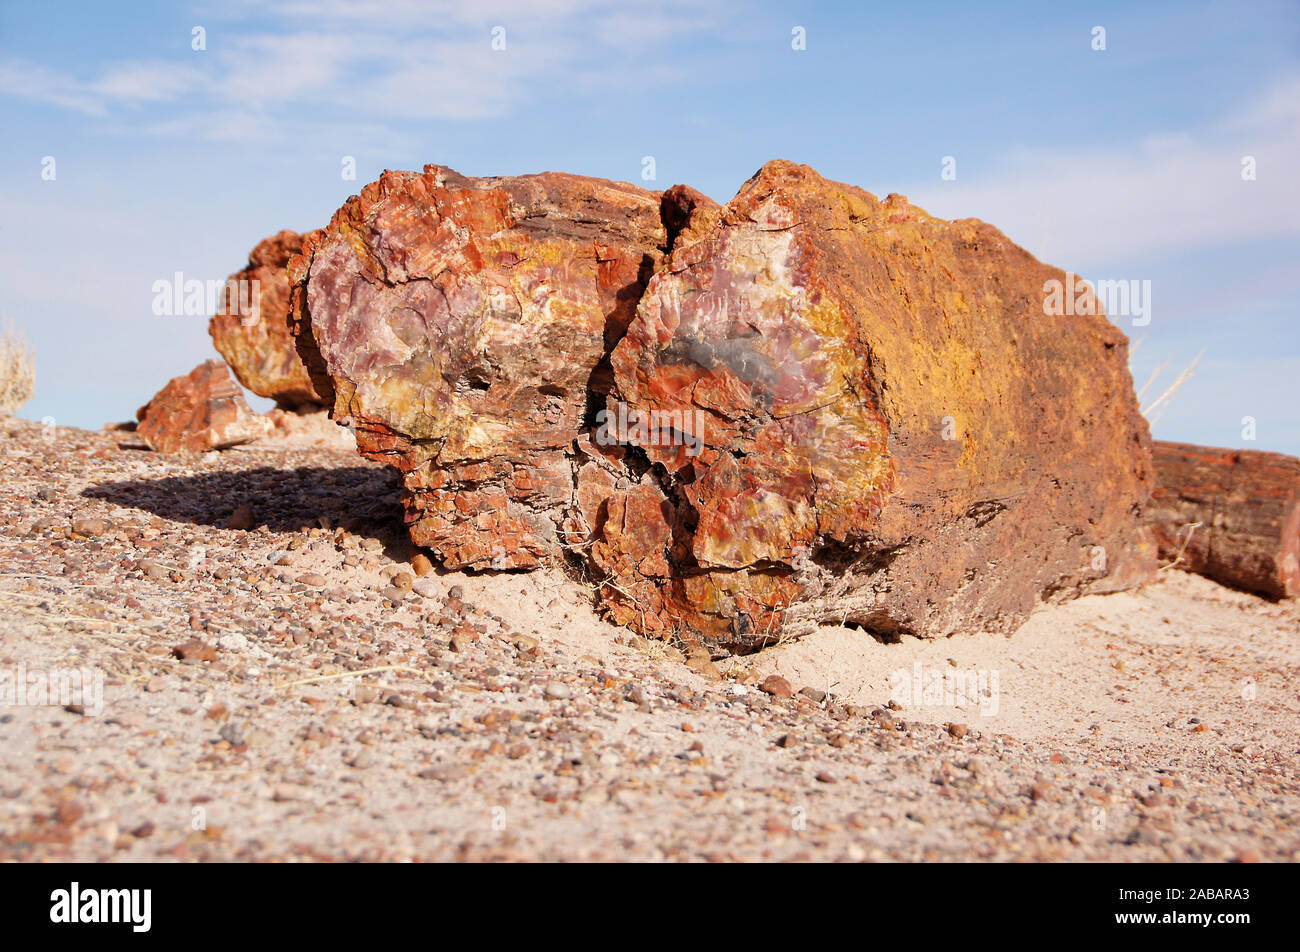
[(558, 691)]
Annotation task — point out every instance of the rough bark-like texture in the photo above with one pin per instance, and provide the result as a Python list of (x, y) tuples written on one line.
[(1247, 504), (894, 433), (253, 334), (825, 408), (462, 324), (203, 410)]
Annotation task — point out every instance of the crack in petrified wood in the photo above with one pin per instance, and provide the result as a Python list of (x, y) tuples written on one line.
[(810, 347)]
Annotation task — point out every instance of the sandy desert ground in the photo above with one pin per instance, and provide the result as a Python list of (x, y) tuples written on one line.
[(278, 685)]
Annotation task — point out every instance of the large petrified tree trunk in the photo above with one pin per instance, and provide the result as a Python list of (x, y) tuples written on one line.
[(463, 326), (1231, 515), (806, 407)]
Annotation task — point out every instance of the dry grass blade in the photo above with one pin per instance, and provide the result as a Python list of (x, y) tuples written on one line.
[(1162, 402), (1191, 528), (1152, 379)]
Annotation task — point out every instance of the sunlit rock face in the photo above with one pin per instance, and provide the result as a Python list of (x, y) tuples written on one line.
[(251, 327), (462, 326), (200, 411), (808, 406)]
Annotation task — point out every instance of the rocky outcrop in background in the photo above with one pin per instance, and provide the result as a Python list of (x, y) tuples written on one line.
[(253, 335), (203, 410), (806, 406), (206, 410)]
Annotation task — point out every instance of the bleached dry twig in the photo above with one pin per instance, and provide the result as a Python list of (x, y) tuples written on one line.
[(1191, 528), (356, 674), (1162, 401)]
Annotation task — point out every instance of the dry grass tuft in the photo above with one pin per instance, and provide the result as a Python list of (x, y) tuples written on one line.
[(17, 370)]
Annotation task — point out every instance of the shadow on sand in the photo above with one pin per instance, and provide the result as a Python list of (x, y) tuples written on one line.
[(363, 499)]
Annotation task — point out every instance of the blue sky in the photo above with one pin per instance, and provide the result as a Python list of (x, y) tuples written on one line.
[(1117, 164)]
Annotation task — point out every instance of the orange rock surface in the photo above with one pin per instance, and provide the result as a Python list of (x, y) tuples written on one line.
[(808, 406), (203, 410), (252, 332), (462, 326), (894, 432)]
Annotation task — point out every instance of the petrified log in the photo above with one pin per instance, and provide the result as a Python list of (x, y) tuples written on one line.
[(807, 407), (895, 435), (462, 325), (203, 410), (251, 329), (1230, 515)]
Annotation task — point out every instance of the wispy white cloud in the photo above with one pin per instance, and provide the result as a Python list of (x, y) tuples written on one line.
[(1175, 190), (393, 61), (29, 82), (127, 84), (146, 82), (370, 12), (267, 71)]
